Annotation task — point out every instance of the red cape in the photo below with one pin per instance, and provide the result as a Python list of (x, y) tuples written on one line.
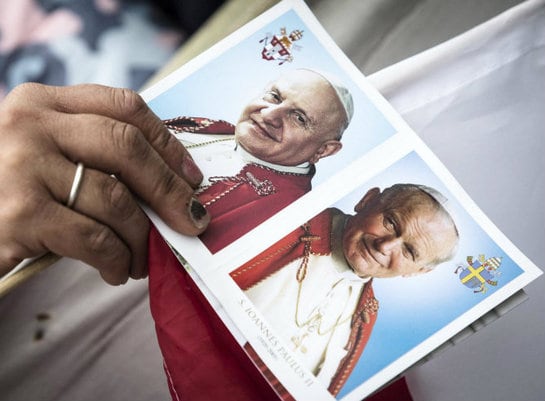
[(239, 204)]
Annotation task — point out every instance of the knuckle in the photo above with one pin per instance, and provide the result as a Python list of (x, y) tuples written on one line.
[(102, 240), (12, 113), (128, 101), (27, 89), (14, 110), (110, 255), (166, 184), (15, 211), (170, 150), (25, 107), (22, 207), (119, 199), (129, 141), (10, 256), (15, 157), (163, 141)]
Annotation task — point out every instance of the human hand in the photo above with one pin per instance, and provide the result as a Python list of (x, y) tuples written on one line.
[(44, 132)]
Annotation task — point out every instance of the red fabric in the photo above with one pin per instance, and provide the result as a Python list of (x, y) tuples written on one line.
[(395, 391), (362, 326), (202, 360), (289, 248), (237, 206), (281, 391), (200, 125)]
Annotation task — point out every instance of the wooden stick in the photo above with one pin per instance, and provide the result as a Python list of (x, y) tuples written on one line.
[(34, 267)]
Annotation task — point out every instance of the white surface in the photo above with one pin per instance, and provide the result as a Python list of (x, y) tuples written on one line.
[(97, 344), (478, 102), (378, 33)]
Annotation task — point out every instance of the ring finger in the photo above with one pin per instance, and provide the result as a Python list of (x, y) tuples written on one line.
[(108, 201)]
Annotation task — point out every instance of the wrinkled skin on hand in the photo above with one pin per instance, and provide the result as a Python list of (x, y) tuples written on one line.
[(127, 153)]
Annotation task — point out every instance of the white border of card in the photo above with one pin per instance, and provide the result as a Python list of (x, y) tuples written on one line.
[(392, 160)]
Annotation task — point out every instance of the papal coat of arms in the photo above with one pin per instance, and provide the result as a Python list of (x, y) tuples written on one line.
[(280, 47), (478, 273)]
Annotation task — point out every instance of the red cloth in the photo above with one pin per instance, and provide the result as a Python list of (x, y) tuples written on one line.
[(200, 125), (239, 204), (202, 360), (304, 239)]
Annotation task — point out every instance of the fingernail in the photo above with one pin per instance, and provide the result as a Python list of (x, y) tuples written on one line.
[(198, 214), (191, 171)]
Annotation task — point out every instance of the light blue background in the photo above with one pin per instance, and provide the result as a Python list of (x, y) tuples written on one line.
[(413, 308), (222, 87)]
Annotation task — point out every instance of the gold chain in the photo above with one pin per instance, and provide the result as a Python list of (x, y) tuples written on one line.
[(317, 317), (300, 276), (196, 145)]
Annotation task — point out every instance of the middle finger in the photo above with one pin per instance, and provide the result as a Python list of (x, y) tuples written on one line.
[(106, 200), (118, 148)]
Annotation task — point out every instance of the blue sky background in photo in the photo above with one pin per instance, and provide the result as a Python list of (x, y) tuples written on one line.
[(222, 87), (414, 308)]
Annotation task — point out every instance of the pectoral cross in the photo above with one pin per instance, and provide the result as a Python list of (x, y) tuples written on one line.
[(311, 325), (262, 188)]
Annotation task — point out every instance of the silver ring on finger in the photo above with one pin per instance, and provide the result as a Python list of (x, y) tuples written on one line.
[(78, 176)]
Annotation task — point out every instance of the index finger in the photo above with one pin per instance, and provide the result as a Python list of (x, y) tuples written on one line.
[(128, 106)]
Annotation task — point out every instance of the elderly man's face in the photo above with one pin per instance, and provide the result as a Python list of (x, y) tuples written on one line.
[(387, 242), (297, 119)]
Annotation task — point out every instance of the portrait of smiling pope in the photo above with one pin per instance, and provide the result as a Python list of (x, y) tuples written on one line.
[(261, 164)]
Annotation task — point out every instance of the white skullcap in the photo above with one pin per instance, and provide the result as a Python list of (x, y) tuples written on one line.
[(446, 206), (437, 196), (343, 94), (442, 200)]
